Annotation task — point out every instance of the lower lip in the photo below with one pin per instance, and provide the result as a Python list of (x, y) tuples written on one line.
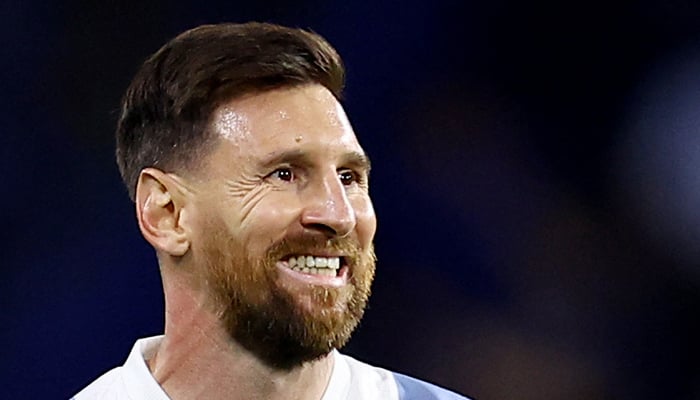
[(341, 279)]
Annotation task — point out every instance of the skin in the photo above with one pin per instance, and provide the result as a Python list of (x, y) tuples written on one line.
[(287, 165)]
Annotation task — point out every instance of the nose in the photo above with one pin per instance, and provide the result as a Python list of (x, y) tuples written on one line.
[(328, 209)]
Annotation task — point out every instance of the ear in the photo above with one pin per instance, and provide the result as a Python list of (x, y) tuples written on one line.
[(159, 209)]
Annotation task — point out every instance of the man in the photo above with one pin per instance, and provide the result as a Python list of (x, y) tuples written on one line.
[(250, 184)]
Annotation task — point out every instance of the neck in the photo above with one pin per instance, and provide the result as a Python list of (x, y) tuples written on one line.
[(198, 359)]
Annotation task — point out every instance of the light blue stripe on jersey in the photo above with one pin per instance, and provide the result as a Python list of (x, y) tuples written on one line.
[(414, 389)]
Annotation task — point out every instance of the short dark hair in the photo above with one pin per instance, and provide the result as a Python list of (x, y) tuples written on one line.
[(166, 110)]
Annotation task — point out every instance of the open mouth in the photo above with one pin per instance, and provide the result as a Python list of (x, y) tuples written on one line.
[(314, 265)]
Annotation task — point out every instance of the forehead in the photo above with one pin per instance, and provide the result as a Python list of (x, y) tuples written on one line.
[(302, 118)]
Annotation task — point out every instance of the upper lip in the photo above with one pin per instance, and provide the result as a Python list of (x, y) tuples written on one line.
[(314, 254)]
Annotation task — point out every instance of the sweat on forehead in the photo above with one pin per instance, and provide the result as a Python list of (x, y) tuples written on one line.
[(267, 111)]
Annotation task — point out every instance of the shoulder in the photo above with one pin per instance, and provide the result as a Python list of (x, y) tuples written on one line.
[(107, 387), (131, 381), (415, 389), (365, 381), (354, 380)]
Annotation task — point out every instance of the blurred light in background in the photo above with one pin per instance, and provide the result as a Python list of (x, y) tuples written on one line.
[(657, 159)]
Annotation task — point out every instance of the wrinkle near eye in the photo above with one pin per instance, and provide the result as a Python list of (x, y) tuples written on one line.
[(248, 191)]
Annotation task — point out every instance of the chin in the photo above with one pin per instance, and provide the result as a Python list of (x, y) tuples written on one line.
[(290, 331)]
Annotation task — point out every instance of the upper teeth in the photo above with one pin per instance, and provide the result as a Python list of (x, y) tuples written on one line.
[(317, 262)]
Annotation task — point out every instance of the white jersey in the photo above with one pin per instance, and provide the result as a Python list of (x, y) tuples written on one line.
[(350, 380)]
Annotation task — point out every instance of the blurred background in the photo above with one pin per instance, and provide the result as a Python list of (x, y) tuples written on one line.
[(536, 178)]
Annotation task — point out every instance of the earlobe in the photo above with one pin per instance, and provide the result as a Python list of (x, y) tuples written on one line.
[(159, 208)]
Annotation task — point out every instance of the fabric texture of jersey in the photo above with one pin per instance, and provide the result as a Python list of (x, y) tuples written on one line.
[(350, 380)]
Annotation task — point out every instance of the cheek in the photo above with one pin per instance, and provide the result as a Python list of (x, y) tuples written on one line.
[(270, 218), (366, 220)]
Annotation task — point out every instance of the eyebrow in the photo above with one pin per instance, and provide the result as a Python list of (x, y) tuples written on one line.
[(299, 157), (357, 160)]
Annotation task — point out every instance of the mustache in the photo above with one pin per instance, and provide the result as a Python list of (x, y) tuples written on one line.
[(346, 247)]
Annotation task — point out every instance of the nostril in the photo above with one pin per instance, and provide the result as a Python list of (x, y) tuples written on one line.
[(323, 228)]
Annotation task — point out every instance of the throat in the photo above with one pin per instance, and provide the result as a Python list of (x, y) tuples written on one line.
[(233, 373)]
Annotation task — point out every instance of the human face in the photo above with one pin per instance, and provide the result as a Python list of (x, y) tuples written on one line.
[(287, 182)]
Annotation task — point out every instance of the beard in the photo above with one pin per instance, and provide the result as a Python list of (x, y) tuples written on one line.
[(268, 319)]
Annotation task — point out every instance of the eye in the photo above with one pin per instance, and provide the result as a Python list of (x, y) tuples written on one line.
[(283, 174), (348, 177)]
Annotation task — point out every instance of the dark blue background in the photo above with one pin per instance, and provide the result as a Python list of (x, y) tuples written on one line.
[(534, 175)]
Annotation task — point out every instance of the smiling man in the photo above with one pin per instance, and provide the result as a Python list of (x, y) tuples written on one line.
[(250, 184)]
